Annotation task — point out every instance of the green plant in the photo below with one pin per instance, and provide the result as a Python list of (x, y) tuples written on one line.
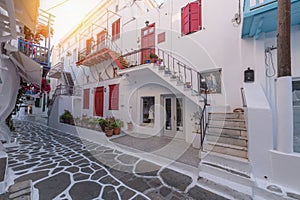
[(153, 56), (67, 117), (103, 123), (119, 123)]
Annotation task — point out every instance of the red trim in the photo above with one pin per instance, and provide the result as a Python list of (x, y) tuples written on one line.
[(116, 29)]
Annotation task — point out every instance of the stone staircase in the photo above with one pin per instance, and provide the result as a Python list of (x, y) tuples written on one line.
[(224, 159)]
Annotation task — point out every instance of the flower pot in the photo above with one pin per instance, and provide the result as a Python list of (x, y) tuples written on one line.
[(130, 126), (109, 132), (117, 131)]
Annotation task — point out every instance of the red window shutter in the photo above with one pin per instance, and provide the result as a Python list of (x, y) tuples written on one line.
[(200, 14), (194, 16), (113, 97), (118, 28), (185, 20), (86, 98), (113, 34)]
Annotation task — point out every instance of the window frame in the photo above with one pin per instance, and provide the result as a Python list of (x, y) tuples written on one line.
[(116, 29), (86, 98)]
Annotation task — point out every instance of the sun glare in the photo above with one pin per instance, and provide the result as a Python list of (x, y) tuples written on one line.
[(68, 14)]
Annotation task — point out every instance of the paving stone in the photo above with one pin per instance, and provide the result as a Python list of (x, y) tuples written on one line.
[(53, 186), (138, 184), (125, 193), (109, 180), (127, 159), (51, 166), (57, 170), (175, 179), (139, 197), (164, 191), (155, 182), (146, 168), (23, 197), (200, 193), (109, 193), (72, 169), (26, 166), (87, 170), (64, 163), (33, 176), (20, 186), (33, 160), (80, 177), (123, 168), (85, 190), (98, 174), (19, 193)]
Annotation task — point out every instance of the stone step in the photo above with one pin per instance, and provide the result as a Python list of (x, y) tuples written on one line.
[(228, 115), (227, 139), (231, 162), (232, 150), (224, 189), (236, 131), (225, 173), (3, 171), (228, 123)]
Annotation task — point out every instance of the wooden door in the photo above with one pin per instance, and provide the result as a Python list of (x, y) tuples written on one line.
[(99, 101), (148, 41)]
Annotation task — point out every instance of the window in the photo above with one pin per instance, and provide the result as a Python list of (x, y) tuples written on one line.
[(114, 97), (86, 98), (148, 109), (191, 19), (116, 29)]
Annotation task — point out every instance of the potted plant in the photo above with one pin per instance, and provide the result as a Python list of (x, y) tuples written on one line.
[(109, 129), (93, 122), (77, 121), (153, 57), (130, 126), (103, 123), (117, 126)]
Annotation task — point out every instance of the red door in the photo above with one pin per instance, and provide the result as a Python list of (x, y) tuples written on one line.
[(99, 101), (148, 41)]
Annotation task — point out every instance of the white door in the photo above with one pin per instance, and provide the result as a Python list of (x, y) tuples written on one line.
[(173, 116)]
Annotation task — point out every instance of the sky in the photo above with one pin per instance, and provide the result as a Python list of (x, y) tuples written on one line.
[(69, 13)]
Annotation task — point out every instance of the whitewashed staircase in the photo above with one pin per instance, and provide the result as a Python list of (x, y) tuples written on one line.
[(224, 165)]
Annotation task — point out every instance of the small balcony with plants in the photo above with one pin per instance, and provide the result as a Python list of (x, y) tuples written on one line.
[(260, 16)]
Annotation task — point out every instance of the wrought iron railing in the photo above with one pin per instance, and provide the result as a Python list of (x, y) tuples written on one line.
[(107, 43), (179, 70), (37, 53)]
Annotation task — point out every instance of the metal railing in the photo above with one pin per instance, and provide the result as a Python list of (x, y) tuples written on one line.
[(179, 70), (37, 53), (107, 43), (172, 65)]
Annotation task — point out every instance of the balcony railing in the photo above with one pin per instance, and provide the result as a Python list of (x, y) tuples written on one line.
[(37, 53), (106, 44)]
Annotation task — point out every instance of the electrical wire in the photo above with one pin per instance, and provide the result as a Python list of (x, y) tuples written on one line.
[(57, 5)]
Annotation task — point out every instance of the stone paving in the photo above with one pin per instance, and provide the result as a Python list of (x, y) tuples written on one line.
[(62, 166)]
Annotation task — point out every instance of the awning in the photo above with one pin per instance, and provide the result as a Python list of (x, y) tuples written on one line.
[(28, 69)]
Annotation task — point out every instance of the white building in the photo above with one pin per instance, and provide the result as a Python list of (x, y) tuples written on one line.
[(201, 43)]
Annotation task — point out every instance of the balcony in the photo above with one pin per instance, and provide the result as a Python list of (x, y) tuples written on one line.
[(260, 16), (37, 53), (56, 70), (103, 50)]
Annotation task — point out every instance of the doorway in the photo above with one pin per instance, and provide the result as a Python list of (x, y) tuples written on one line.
[(173, 116), (98, 101), (148, 42)]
